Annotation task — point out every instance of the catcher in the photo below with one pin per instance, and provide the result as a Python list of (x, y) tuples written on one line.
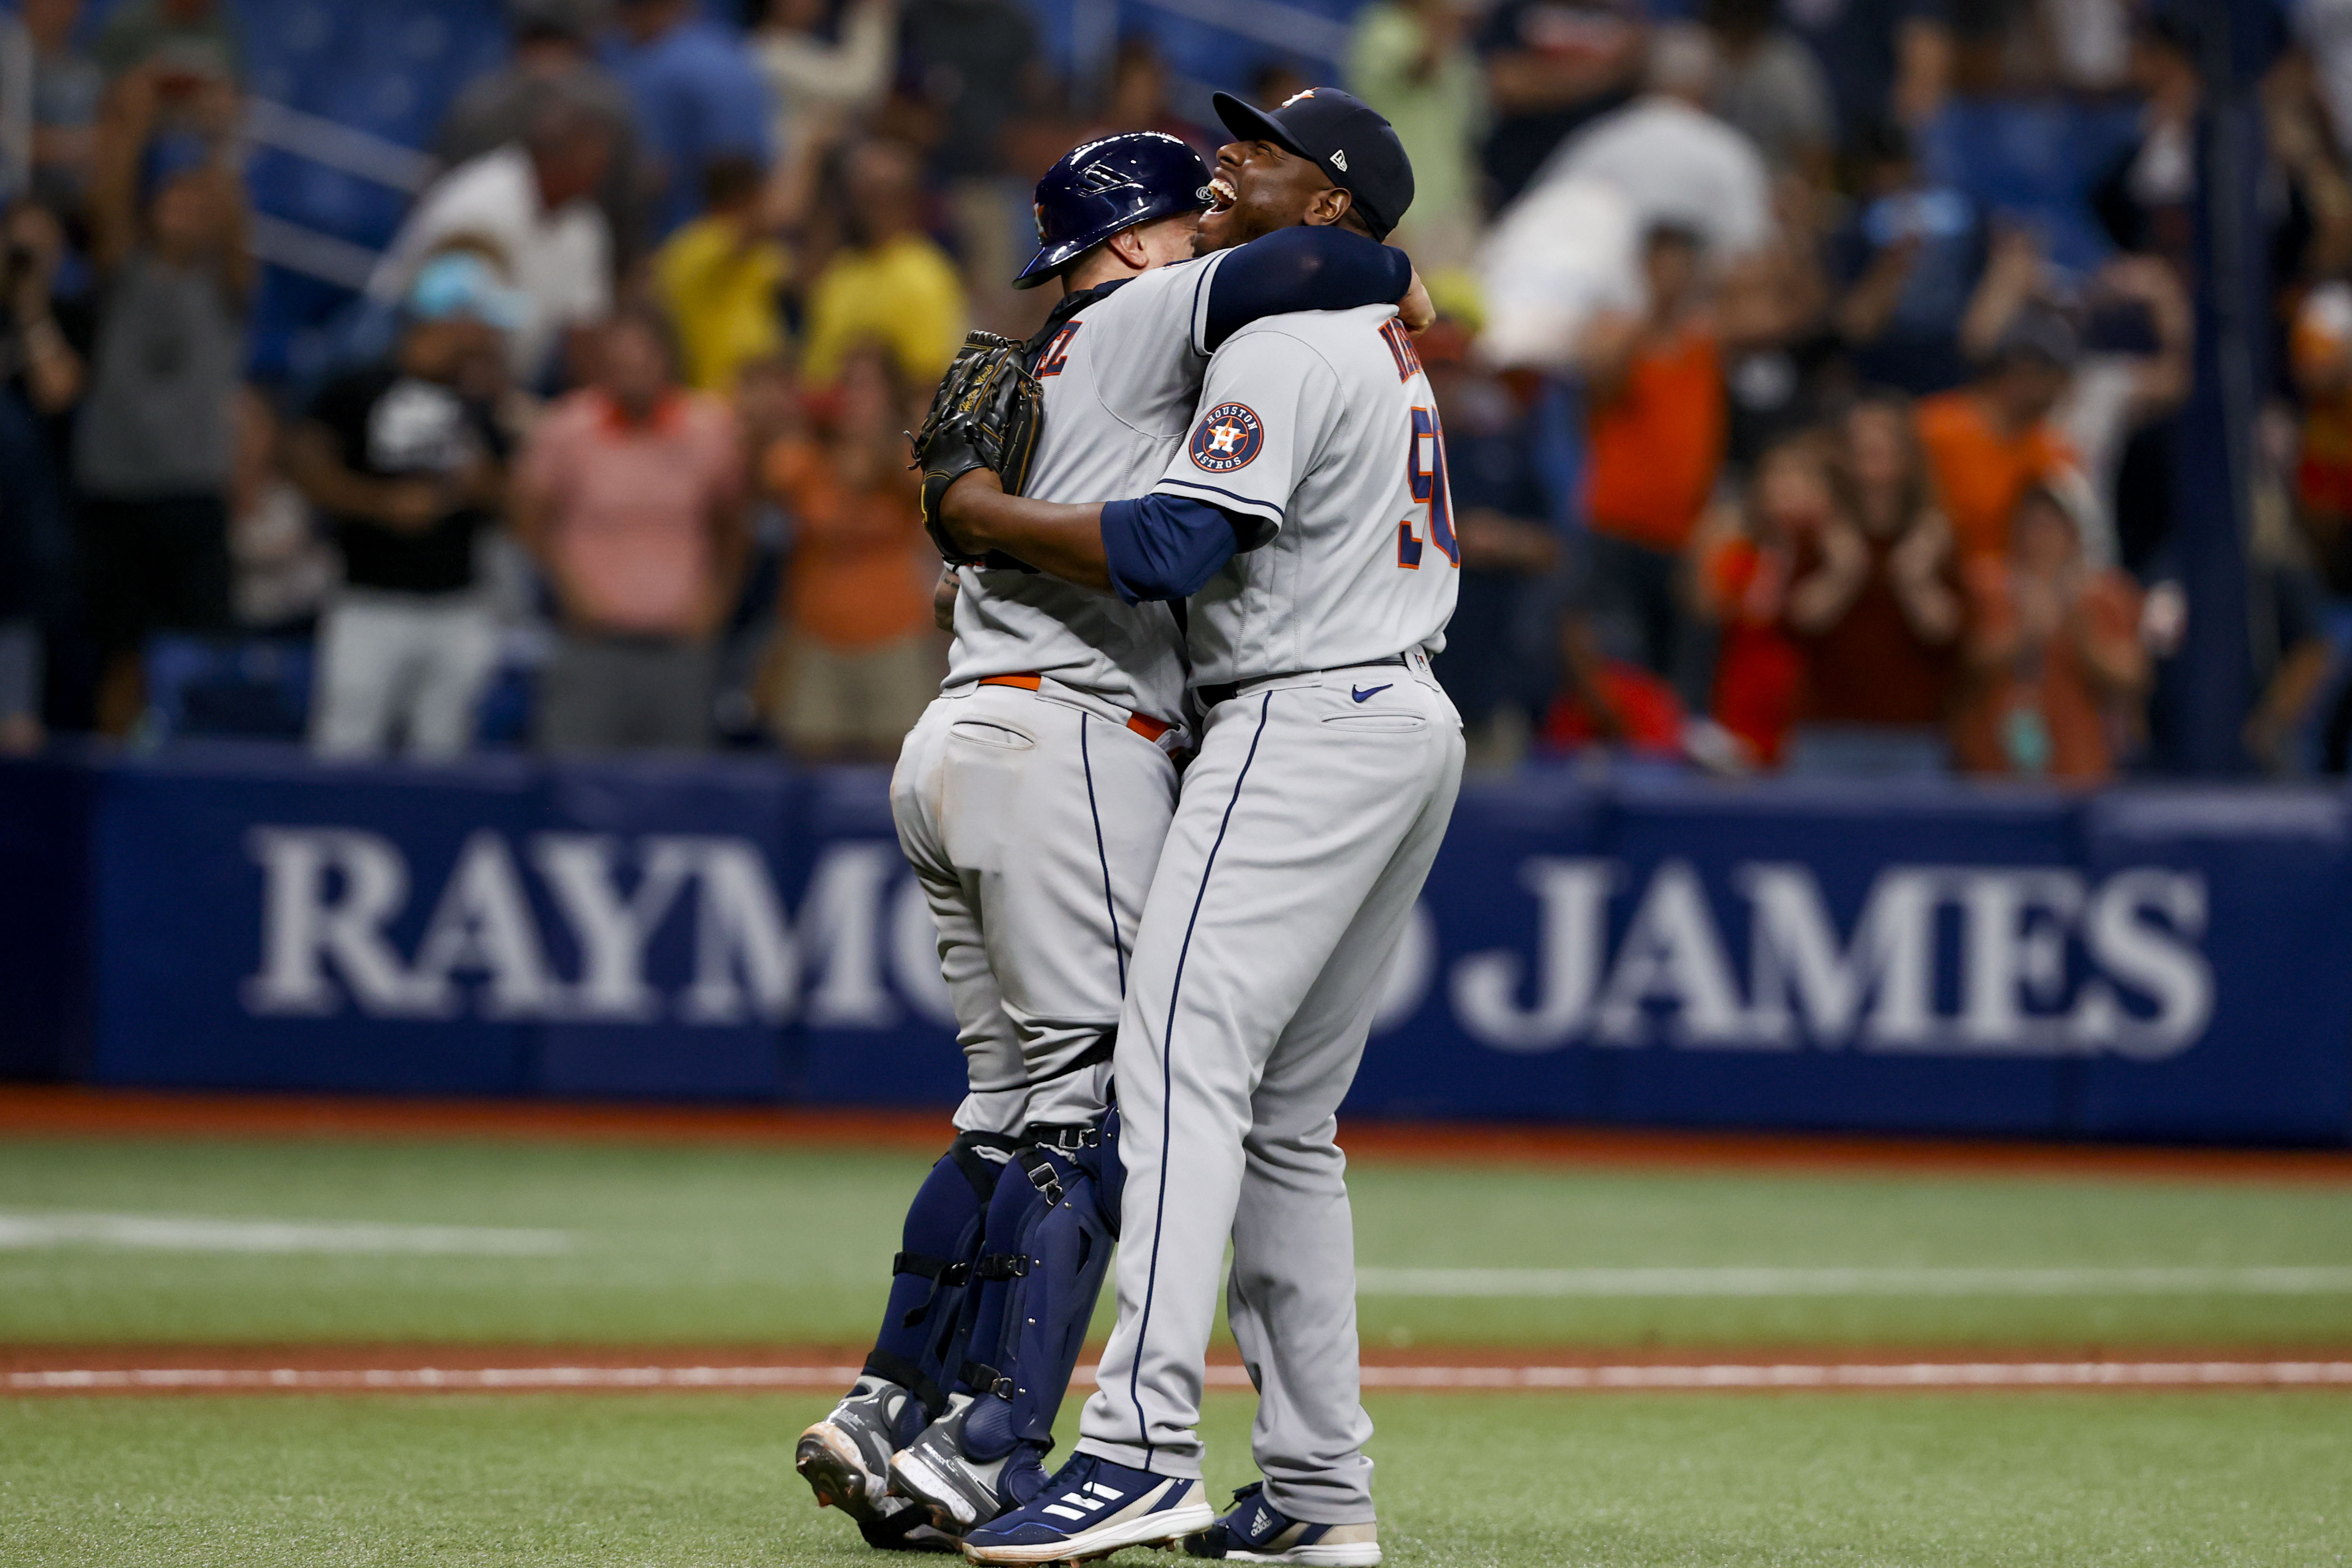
[(1031, 800)]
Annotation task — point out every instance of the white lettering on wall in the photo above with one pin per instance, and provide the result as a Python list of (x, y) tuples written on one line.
[(2045, 962), (1944, 959), (327, 894), (1572, 928), (581, 870), (483, 926)]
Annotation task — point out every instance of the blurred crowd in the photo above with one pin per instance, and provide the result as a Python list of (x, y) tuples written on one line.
[(1775, 443)]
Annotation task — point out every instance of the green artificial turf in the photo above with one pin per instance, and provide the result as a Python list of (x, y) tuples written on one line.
[(2082, 1480), (712, 1244)]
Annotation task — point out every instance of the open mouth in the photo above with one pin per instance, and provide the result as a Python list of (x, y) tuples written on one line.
[(1221, 194)]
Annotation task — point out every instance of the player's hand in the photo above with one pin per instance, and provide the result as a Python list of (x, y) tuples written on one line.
[(1416, 310)]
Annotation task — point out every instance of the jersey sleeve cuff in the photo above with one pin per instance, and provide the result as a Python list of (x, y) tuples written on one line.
[(1229, 501)]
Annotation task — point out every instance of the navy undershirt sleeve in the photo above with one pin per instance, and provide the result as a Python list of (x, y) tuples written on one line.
[(1302, 268), (1165, 546)]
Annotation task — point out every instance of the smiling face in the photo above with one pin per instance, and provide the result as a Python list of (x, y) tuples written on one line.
[(1259, 188)]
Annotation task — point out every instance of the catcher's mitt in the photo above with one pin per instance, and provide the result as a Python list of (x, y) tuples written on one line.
[(985, 415)]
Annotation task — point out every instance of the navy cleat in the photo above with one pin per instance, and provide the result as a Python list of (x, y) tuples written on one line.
[(1090, 1509), (1256, 1531)]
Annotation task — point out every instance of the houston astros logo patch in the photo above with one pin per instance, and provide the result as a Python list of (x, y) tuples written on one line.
[(1228, 437)]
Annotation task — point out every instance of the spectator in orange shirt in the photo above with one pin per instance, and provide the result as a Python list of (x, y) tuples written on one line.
[(630, 495), (1990, 442), (1743, 581), (2054, 661), (859, 660), (1656, 419), (1606, 702)]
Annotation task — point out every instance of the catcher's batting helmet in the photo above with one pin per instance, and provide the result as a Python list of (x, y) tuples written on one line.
[(1101, 187)]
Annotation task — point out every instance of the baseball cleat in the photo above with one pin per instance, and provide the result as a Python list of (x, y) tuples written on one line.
[(1091, 1509), (1256, 1532), (845, 1458), (903, 1526), (966, 1468)]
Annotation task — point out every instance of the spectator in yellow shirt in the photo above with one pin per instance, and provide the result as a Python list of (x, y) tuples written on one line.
[(890, 284), (717, 279)]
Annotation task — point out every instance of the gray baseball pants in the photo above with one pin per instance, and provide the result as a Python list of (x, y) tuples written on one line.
[(1306, 830), (1032, 821)]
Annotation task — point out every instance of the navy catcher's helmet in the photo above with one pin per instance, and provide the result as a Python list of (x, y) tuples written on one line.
[(1102, 187)]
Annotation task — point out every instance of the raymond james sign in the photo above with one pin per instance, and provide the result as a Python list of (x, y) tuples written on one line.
[(856, 943), (2137, 963)]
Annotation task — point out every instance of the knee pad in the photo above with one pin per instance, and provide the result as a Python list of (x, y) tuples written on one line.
[(922, 1346), (1042, 1270)]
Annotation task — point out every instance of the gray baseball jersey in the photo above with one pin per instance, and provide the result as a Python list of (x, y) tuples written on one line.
[(1120, 380), (1305, 829), (1317, 424), (1032, 814)]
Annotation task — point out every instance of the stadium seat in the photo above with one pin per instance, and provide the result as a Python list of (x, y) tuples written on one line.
[(254, 689)]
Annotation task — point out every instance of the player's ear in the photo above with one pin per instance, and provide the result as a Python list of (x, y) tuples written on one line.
[(1129, 246), (1328, 205)]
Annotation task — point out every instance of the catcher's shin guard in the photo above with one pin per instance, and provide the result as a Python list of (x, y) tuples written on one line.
[(1050, 1236), (1041, 1270), (922, 1346), (1067, 1248)]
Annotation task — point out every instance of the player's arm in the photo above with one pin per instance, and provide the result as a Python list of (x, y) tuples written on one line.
[(1266, 400), (1306, 269), (1153, 547), (1058, 539)]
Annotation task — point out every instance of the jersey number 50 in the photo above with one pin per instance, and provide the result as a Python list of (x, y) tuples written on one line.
[(1424, 468)]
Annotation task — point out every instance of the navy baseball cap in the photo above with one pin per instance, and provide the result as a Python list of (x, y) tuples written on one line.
[(1343, 136)]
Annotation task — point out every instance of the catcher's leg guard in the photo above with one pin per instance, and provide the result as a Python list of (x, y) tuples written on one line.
[(921, 1347), (1035, 1298), (1067, 1252)]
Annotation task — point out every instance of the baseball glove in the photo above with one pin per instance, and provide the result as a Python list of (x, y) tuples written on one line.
[(985, 415)]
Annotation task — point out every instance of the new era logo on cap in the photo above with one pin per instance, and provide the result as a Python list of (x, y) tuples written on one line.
[(1339, 160)]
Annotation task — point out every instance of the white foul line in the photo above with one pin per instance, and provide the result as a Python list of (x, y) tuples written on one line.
[(2251, 1281), (1914, 1374), (1633, 1377), (21, 1231)]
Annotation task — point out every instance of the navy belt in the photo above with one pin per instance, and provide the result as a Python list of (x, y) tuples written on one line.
[(1227, 691)]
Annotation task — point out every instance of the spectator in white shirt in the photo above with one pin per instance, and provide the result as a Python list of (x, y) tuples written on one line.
[(818, 83), (1679, 165), (531, 203), (1570, 248)]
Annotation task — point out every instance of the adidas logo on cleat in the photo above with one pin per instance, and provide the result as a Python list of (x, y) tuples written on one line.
[(1070, 1504)]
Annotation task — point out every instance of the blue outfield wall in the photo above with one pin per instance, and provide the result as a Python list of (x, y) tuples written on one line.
[(2142, 962)]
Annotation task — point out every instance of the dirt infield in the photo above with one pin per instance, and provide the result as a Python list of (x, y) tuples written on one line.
[(445, 1369), (57, 1112)]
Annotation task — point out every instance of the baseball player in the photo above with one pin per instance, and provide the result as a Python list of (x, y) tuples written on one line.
[(1307, 519), (1031, 800)]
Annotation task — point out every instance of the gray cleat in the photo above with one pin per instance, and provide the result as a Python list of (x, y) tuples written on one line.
[(845, 1458), (967, 1468), (937, 1472)]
